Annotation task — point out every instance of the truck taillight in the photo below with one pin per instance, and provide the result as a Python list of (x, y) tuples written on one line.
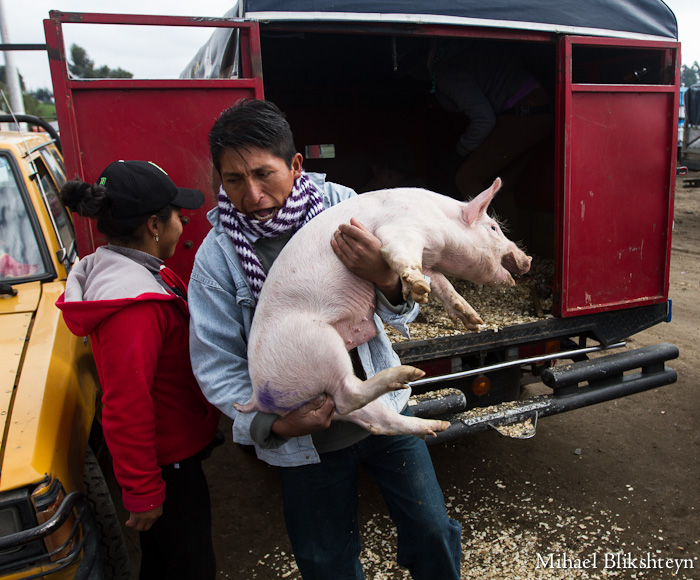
[(440, 366), (538, 349)]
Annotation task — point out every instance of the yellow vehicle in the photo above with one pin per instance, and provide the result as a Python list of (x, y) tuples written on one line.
[(56, 516)]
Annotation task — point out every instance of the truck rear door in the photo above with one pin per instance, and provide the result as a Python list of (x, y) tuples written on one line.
[(616, 131), (164, 121)]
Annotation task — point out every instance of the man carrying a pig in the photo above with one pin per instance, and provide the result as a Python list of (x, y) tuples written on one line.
[(265, 197)]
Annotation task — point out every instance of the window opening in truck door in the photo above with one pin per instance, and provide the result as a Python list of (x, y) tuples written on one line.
[(20, 250), (607, 65), (171, 47)]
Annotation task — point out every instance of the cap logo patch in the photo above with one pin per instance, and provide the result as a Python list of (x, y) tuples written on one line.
[(103, 180)]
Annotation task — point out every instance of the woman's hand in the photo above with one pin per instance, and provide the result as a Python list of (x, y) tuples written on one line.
[(360, 252), (310, 418), (142, 521)]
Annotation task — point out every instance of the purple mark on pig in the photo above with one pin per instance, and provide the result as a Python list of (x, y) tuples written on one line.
[(312, 309), (266, 399)]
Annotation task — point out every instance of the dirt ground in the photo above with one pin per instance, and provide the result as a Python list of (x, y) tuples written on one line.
[(618, 482)]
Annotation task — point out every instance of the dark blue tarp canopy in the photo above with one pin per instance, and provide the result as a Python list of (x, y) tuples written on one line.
[(621, 17)]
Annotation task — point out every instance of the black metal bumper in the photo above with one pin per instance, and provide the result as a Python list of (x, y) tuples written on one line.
[(573, 386), (84, 532)]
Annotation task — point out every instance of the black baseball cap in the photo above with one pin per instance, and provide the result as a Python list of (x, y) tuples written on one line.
[(141, 187)]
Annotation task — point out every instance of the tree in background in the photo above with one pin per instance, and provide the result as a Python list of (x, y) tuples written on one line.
[(689, 75), (83, 68), (38, 103), (43, 95)]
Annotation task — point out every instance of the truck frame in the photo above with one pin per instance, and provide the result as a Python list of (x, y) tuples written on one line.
[(599, 192)]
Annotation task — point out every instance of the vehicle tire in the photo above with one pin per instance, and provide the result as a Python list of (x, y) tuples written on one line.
[(113, 551)]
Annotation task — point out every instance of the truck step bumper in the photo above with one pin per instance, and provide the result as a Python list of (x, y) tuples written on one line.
[(574, 386), (442, 403)]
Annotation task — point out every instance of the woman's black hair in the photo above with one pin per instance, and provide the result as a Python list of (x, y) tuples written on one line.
[(252, 123), (92, 201)]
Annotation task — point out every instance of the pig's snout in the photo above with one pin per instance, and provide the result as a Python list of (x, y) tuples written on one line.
[(516, 262)]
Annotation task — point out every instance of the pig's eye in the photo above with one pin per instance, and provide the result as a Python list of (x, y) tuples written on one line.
[(494, 227)]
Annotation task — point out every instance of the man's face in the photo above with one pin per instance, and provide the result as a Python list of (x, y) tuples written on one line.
[(258, 182)]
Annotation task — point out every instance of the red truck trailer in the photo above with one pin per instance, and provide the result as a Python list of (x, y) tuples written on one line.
[(596, 197)]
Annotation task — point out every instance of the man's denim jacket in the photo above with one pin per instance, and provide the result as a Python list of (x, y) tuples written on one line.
[(221, 309)]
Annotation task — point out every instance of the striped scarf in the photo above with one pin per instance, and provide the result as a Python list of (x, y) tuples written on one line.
[(303, 203)]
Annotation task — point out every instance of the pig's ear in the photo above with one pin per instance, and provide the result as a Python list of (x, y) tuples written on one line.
[(476, 208)]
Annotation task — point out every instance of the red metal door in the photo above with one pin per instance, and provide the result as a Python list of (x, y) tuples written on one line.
[(616, 139), (164, 121)]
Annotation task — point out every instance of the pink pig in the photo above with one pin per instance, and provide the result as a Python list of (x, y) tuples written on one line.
[(313, 310)]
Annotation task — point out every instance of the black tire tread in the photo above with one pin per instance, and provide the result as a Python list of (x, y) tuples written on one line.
[(113, 550)]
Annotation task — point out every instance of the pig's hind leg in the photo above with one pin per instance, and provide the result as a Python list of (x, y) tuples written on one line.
[(304, 357), (379, 420), (354, 393), (457, 308)]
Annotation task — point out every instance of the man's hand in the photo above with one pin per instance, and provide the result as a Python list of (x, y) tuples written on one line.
[(360, 252), (310, 418), (142, 521)]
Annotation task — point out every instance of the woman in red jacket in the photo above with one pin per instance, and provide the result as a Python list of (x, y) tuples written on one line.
[(156, 422)]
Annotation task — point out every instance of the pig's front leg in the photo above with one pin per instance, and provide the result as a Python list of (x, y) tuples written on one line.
[(457, 308), (405, 257)]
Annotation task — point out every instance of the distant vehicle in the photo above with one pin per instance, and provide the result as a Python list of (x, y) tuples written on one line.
[(681, 119), (689, 153)]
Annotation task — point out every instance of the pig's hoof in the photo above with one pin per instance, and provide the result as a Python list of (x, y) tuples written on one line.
[(432, 427), (411, 373), (416, 288), (414, 285), (398, 377), (420, 291), (460, 311), (471, 321)]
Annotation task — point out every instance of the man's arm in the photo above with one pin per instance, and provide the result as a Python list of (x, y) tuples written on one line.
[(310, 418), (360, 251)]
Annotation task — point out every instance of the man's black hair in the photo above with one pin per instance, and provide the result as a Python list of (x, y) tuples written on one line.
[(252, 123)]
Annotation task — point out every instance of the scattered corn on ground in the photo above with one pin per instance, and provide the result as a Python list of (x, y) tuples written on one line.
[(511, 536)]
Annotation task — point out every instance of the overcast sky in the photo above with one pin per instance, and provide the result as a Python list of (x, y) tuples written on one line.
[(162, 52), (148, 52)]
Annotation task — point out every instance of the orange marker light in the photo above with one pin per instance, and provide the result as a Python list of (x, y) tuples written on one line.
[(481, 385), (552, 346)]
